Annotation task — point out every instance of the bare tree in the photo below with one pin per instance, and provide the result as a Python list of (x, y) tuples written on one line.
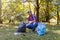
[(0, 11), (47, 11), (57, 15), (37, 10)]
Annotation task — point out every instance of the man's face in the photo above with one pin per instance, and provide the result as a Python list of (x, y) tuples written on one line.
[(29, 13)]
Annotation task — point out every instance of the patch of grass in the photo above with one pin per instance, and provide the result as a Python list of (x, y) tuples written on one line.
[(51, 34)]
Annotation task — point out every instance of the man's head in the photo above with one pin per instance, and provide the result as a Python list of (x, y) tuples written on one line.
[(29, 12)]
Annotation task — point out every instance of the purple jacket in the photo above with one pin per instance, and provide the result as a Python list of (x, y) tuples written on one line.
[(32, 17)]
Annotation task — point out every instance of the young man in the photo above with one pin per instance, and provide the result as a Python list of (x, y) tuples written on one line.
[(32, 21)]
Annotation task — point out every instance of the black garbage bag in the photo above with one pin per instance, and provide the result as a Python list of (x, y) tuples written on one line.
[(22, 27)]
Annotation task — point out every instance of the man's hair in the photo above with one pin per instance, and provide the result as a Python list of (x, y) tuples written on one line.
[(29, 11)]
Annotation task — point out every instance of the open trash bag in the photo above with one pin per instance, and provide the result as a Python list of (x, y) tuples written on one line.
[(22, 27), (41, 29)]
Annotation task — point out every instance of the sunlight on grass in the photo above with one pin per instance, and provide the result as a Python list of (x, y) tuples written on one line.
[(56, 31), (53, 33)]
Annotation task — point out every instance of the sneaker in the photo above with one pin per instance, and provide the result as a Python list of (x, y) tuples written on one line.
[(17, 33)]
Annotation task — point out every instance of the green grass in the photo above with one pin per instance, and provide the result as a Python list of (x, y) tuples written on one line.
[(53, 33)]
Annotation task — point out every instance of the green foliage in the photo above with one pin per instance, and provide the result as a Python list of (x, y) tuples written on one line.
[(12, 8)]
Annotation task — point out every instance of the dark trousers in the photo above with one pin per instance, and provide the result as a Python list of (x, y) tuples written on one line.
[(22, 27), (32, 26)]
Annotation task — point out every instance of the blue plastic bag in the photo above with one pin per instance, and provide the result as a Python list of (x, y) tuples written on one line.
[(41, 29)]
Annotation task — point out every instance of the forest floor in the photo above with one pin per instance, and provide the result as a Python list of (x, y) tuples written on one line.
[(52, 33)]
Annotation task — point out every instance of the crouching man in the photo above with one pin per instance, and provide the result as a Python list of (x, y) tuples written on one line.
[(31, 23)]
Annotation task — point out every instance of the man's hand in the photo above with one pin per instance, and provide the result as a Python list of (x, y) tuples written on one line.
[(34, 20), (26, 22)]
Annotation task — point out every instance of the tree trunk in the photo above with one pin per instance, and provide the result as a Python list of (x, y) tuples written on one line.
[(57, 15), (0, 12), (47, 11), (37, 8)]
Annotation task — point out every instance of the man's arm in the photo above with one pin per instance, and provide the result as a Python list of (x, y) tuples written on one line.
[(34, 17)]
